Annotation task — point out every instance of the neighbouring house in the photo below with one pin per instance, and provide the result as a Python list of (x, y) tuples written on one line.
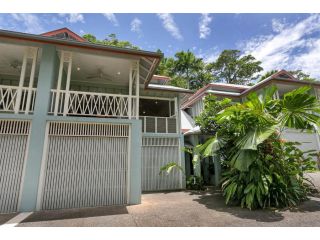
[(193, 106), (83, 124)]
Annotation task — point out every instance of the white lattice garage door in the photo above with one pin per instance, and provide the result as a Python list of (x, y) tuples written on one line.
[(86, 164), (157, 152), (13, 146)]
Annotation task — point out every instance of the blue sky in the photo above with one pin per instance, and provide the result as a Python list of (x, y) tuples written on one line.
[(290, 41)]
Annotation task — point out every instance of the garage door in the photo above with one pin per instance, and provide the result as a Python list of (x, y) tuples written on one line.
[(86, 164), (157, 152), (13, 146)]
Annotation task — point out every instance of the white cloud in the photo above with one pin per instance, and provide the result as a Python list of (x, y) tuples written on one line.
[(112, 18), (136, 26), (73, 17), (291, 48), (278, 25), (204, 29), (170, 25), (30, 23)]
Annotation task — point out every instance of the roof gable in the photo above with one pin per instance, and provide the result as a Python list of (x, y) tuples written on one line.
[(283, 74), (64, 33)]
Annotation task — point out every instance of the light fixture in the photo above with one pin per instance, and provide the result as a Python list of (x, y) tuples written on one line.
[(118, 73), (78, 68), (156, 102), (144, 112)]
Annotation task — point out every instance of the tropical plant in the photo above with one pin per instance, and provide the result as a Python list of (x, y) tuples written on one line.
[(260, 168)]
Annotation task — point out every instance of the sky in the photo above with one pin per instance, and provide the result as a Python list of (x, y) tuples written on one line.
[(280, 41)]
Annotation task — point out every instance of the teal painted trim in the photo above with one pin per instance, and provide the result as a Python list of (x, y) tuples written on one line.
[(167, 135), (47, 74), (16, 116), (183, 161), (135, 164)]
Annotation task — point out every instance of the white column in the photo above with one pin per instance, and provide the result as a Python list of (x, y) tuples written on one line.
[(137, 89), (67, 95), (130, 94), (31, 81), (21, 81), (59, 84)]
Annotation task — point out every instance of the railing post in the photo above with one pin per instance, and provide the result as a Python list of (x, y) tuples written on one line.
[(166, 125), (21, 81), (145, 124), (156, 124), (31, 81), (67, 94)]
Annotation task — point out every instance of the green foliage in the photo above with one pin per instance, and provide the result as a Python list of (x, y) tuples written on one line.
[(267, 74), (111, 40), (169, 167), (232, 67), (261, 169), (275, 179), (186, 70), (206, 120), (195, 183)]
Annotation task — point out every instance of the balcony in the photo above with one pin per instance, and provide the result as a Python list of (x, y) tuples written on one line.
[(77, 103), (17, 100)]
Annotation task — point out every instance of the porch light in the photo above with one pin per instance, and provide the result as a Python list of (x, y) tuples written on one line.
[(118, 73), (156, 102), (78, 68)]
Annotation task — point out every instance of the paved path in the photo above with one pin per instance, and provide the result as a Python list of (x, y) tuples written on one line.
[(180, 209)]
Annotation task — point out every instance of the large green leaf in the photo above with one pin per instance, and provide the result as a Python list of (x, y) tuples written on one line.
[(255, 136), (300, 110), (243, 159)]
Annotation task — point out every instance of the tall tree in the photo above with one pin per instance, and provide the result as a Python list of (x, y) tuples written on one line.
[(232, 67), (110, 40), (192, 69)]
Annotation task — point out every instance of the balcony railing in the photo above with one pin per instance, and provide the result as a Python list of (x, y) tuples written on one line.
[(152, 124), (17, 100), (90, 104)]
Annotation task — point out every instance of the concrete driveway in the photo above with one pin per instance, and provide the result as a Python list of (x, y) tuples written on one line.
[(183, 208)]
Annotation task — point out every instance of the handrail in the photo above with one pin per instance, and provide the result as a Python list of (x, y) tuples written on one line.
[(8, 99)]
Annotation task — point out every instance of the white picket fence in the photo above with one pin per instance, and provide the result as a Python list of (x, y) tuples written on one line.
[(9, 96)]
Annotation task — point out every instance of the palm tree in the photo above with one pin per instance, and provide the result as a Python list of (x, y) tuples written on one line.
[(187, 65)]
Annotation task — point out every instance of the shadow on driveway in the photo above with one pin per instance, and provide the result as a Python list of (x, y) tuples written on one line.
[(75, 213), (214, 200)]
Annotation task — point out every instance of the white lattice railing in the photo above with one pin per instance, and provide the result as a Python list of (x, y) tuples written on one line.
[(9, 96), (152, 124), (90, 104)]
